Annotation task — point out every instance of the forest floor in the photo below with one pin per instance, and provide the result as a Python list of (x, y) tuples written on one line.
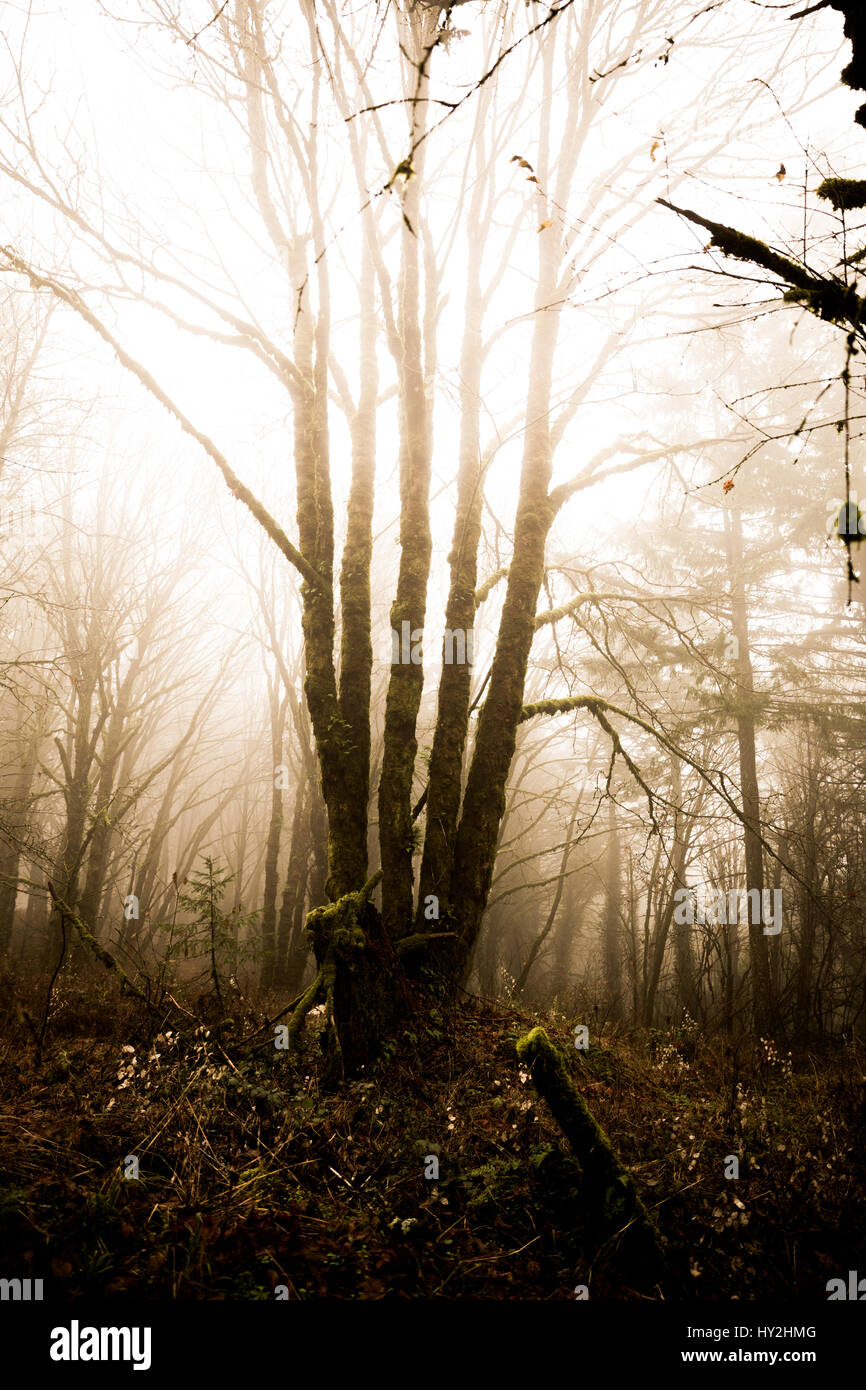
[(256, 1180)]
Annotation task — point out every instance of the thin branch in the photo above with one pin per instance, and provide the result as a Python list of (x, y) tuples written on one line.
[(233, 482)]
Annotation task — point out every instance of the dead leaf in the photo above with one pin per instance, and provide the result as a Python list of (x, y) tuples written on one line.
[(656, 144), (781, 172), (545, 224)]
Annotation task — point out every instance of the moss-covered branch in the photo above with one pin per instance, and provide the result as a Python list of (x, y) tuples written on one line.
[(306, 1002), (565, 610), (600, 708), (485, 590), (826, 296), (370, 887), (843, 194), (596, 708), (104, 957), (555, 615), (419, 941), (608, 1184)]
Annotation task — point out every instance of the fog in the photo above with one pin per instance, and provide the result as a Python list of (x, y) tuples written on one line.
[(420, 544), (216, 202)]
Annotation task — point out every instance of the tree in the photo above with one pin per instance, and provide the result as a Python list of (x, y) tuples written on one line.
[(372, 956)]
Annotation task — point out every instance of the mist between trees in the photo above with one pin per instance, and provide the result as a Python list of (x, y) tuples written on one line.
[(329, 330)]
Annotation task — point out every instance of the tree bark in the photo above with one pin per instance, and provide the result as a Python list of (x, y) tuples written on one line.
[(484, 800), (687, 990), (406, 683), (14, 832), (445, 779), (612, 917), (291, 955), (808, 909), (763, 1009), (272, 851)]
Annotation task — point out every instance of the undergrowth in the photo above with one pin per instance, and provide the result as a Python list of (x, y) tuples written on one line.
[(255, 1180)]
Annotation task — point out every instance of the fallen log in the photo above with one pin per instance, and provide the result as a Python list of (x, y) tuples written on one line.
[(611, 1199)]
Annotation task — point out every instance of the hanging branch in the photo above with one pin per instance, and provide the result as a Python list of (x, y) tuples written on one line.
[(598, 708), (825, 295)]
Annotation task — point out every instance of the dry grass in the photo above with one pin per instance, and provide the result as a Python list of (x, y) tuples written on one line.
[(252, 1175)]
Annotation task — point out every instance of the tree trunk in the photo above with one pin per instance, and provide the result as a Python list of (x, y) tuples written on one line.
[(763, 1008), (103, 830), (808, 914), (272, 851), (665, 912), (684, 955), (10, 847), (612, 917), (406, 682), (484, 800), (445, 779), (291, 954)]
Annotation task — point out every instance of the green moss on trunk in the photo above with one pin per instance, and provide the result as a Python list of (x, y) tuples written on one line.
[(360, 977)]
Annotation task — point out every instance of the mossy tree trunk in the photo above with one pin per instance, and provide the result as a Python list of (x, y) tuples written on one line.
[(445, 784), (484, 799), (406, 682), (290, 961)]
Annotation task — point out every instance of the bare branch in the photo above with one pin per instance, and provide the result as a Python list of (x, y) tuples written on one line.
[(233, 482)]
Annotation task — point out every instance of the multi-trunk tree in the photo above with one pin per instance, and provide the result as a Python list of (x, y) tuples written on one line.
[(384, 936)]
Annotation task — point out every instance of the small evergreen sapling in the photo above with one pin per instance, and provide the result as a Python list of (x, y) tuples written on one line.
[(211, 932)]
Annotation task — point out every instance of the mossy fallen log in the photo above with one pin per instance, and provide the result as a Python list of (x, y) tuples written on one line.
[(609, 1194), (102, 955)]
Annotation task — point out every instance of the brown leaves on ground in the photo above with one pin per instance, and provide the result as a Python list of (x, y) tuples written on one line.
[(254, 1176)]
